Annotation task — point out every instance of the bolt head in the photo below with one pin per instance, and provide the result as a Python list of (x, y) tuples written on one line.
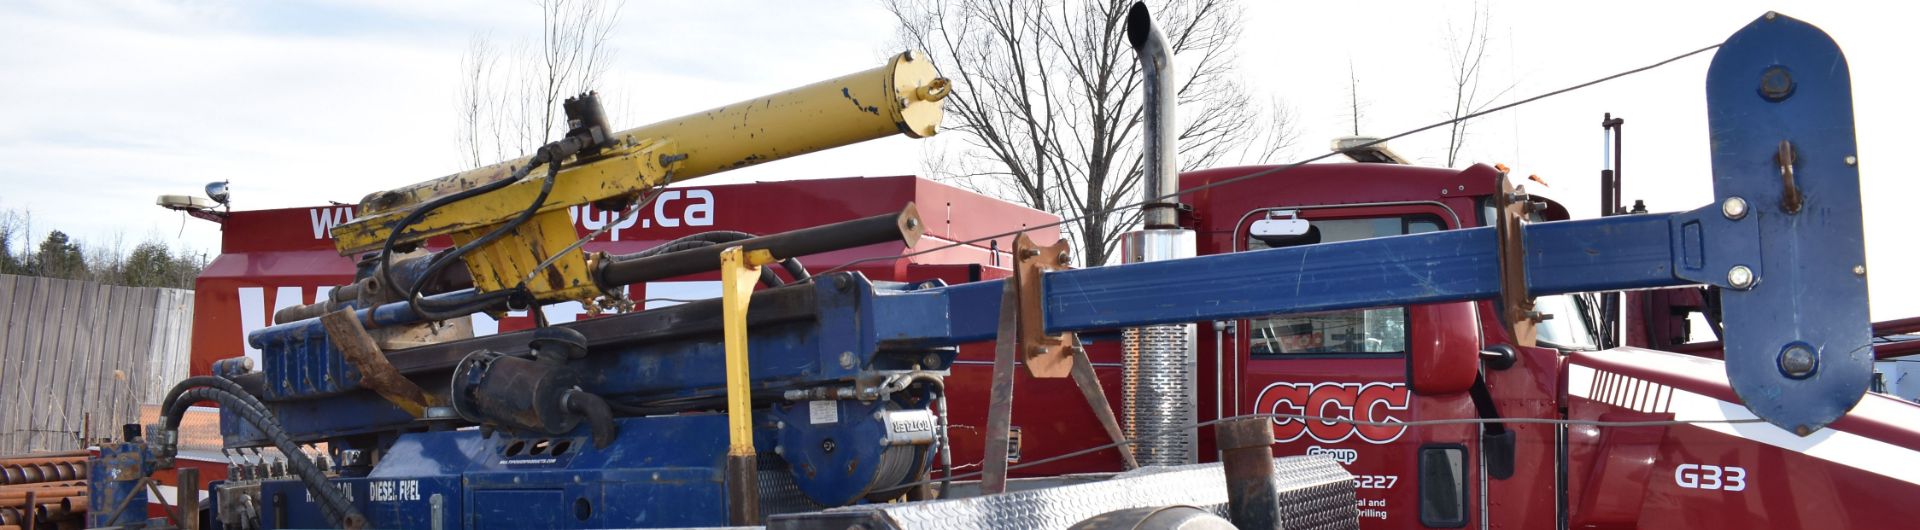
[(1740, 277), (931, 361), (1776, 83), (1851, 161), (1859, 270), (913, 223), (847, 360), (1734, 208), (1798, 361)]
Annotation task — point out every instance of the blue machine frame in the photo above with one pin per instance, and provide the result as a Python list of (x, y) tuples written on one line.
[(1783, 240)]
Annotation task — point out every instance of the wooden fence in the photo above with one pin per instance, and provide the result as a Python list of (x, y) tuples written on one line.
[(77, 359)]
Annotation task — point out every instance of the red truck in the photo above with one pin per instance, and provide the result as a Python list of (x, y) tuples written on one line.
[(1417, 363)]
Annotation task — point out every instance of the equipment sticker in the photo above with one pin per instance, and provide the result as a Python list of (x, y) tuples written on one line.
[(819, 412), (393, 490)]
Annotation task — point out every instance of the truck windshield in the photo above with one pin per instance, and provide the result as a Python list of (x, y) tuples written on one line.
[(1570, 328), (1365, 331)]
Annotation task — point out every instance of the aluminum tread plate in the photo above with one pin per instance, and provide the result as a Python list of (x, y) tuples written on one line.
[(1316, 493)]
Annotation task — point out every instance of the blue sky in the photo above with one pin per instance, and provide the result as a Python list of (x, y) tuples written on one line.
[(106, 105)]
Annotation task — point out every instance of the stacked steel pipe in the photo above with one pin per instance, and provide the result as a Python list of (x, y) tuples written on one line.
[(43, 490)]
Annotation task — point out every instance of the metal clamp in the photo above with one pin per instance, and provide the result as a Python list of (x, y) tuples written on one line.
[(1516, 308), (1046, 356)]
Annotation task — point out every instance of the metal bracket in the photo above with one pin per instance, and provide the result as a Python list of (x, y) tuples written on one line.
[(1516, 308), (1046, 356), (993, 477), (1096, 395), (358, 346)]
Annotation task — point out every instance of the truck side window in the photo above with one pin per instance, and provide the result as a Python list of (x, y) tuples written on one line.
[(1378, 330), (1443, 485)]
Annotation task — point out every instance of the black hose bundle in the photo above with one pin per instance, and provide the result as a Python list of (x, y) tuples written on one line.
[(549, 155), (333, 503), (720, 237)]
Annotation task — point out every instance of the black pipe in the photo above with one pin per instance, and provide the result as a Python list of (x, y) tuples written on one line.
[(1610, 177), (903, 226)]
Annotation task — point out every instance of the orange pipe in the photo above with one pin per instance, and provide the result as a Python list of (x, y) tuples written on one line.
[(17, 488), (14, 499), (83, 453)]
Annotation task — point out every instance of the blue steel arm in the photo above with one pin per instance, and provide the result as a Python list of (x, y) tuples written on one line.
[(1628, 252), (1804, 289)]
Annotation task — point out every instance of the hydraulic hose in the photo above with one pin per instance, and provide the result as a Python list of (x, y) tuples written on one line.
[(339, 511), (599, 415), (386, 249), (719, 237), (551, 156), (172, 421)]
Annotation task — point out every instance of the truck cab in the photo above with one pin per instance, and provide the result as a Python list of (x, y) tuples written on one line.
[(1387, 364)]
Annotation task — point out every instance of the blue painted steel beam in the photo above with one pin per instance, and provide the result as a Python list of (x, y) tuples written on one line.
[(1625, 252)]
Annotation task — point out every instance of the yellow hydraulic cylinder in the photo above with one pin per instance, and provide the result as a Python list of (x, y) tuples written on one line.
[(900, 97), (739, 270)]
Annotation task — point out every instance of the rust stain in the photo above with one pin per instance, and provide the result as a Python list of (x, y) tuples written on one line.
[(869, 109)]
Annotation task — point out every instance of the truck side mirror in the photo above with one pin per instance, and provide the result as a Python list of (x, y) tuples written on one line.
[(1284, 228), (1443, 346)]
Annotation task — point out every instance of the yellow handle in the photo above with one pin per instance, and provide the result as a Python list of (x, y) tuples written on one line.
[(739, 270)]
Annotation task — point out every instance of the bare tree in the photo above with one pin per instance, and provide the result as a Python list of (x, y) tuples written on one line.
[(509, 101), (1046, 102), (1468, 53), (15, 227)]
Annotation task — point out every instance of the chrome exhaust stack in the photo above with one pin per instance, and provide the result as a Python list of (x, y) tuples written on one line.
[(1158, 387)]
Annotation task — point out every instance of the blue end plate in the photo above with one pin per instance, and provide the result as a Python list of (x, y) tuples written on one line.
[(1781, 79)]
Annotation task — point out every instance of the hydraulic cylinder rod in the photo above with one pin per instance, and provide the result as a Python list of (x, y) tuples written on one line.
[(903, 227), (900, 97)]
